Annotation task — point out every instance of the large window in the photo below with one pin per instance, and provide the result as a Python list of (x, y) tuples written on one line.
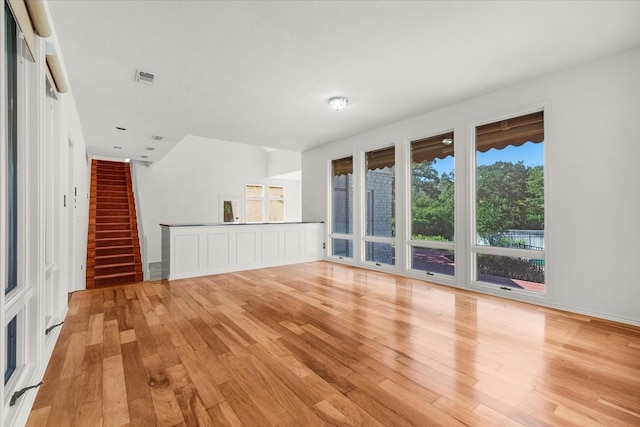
[(254, 203), (509, 203), (342, 207), (380, 206), (11, 149), (432, 205)]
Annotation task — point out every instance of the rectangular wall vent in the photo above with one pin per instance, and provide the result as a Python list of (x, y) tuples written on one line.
[(144, 77)]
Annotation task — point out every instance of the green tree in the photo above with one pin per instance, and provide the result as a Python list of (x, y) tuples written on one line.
[(535, 199), (509, 196), (501, 194), (432, 206)]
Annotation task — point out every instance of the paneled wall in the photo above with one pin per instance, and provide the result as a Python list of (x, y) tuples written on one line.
[(190, 251)]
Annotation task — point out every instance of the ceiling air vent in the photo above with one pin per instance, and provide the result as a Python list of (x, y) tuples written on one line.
[(157, 137), (144, 77), (149, 148)]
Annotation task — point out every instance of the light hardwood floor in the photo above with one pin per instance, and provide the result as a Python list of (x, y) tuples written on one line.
[(322, 343)]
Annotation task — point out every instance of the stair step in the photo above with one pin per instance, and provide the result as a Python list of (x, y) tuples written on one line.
[(112, 212), (114, 279), (105, 234), (118, 189), (118, 176), (106, 269), (114, 250), (107, 194), (112, 205), (119, 200), (115, 241), (111, 165), (106, 226), (114, 259), (105, 171), (121, 197), (111, 181), (121, 219), (110, 171), (113, 171)]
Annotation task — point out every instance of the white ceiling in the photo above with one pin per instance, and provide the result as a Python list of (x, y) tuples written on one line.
[(261, 72)]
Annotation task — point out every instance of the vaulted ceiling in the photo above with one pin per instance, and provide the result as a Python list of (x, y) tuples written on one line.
[(261, 72)]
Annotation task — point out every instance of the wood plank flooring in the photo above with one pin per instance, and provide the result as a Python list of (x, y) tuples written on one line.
[(325, 344)]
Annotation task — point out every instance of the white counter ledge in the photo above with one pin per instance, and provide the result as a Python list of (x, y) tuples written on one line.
[(190, 250)]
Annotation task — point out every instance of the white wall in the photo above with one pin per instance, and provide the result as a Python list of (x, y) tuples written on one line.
[(284, 163), (186, 185), (72, 139), (592, 120)]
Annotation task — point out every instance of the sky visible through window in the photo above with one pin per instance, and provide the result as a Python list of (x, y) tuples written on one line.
[(532, 154)]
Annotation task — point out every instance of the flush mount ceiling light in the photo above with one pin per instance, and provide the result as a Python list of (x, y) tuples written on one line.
[(447, 141), (338, 102)]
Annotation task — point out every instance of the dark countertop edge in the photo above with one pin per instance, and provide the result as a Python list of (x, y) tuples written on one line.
[(217, 224)]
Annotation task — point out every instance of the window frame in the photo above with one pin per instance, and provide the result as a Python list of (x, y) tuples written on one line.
[(332, 235), (269, 199), (426, 243), (371, 240), (248, 198), (474, 248)]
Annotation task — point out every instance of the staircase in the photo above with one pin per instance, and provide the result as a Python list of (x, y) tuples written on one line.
[(113, 247)]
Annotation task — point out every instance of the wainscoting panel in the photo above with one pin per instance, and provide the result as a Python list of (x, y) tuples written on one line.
[(218, 250), (200, 250), (187, 253), (292, 244)]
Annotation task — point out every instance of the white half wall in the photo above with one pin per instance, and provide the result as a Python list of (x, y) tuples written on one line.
[(186, 185), (592, 121)]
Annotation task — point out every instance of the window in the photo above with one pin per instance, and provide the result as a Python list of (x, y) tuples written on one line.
[(276, 204), (509, 204), (11, 149), (12, 344), (380, 206), (342, 207), (254, 205), (432, 205)]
